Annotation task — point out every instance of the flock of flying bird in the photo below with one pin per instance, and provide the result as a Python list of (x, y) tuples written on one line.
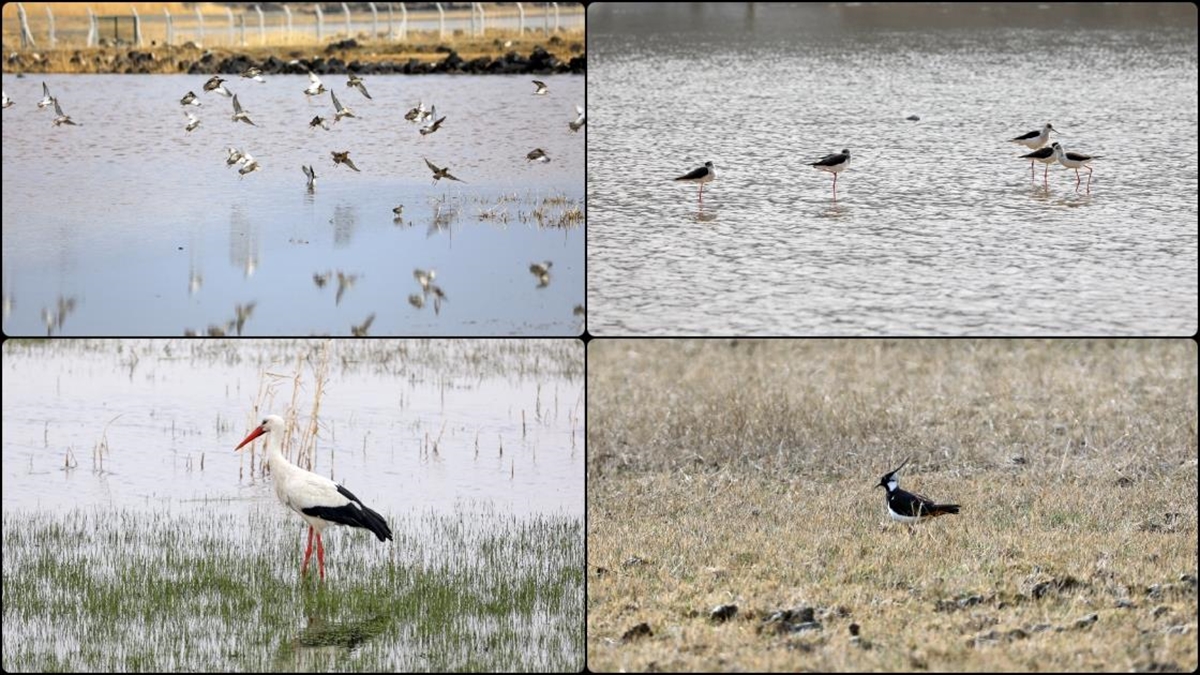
[(428, 118), (60, 117), (838, 161)]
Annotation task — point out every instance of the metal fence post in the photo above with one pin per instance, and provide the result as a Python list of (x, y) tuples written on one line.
[(92, 27), (170, 27), (137, 26), (200, 24), (346, 11), (26, 34), (521, 19), (441, 21), (50, 16), (320, 22), (262, 25)]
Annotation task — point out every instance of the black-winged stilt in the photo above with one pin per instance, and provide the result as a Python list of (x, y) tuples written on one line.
[(1034, 140), (834, 164), (1074, 160), (1045, 156), (700, 176)]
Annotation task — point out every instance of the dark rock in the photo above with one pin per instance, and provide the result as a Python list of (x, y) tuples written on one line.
[(637, 632), (348, 43)]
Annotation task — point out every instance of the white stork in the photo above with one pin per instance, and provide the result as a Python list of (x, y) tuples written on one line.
[(317, 499)]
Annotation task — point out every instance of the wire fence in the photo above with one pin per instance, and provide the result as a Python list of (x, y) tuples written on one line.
[(210, 24)]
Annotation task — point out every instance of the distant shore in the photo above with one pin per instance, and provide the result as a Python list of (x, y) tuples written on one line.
[(543, 56)]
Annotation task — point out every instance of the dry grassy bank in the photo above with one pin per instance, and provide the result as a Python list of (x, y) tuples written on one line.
[(742, 473)]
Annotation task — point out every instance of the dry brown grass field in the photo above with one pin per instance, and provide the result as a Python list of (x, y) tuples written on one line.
[(741, 472)]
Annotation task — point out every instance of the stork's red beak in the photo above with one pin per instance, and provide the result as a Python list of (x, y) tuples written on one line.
[(253, 435)]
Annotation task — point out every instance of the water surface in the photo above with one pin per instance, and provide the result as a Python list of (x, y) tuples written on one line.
[(128, 225), (937, 227)]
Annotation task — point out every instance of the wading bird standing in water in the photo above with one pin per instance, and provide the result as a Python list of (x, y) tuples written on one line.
[(318, 500)]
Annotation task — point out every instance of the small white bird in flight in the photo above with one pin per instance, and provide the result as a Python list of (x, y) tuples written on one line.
[(239, 114), (189, 99), (439, 174), (580, 119), (192, 122), (356, 82), (432, 125), (250, 165), (214, 85), (315, 87), (542, 89), (62, 118), (342, 111), (47, 99), (343, 158), (312, 177), (416, 114), (253, 73)]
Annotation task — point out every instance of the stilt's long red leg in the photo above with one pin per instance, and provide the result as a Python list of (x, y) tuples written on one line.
[(321, 556), (1031, 176), (308, 553), (1045, 172)]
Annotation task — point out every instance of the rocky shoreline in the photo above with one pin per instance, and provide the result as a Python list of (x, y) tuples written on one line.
[(342, 56)]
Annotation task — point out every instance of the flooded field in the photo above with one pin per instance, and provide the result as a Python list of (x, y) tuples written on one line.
[(128, 224), (471, 450)]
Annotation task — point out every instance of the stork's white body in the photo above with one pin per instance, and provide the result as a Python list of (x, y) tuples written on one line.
[(299, 489)]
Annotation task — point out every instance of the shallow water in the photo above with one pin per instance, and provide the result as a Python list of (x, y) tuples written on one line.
[(937, 227), (128, 225), (432, 425)]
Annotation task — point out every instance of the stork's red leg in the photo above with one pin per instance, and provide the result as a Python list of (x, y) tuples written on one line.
[(321, 556), (308, 553)]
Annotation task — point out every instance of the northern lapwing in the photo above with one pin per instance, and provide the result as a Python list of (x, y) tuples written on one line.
[(909, 507)]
